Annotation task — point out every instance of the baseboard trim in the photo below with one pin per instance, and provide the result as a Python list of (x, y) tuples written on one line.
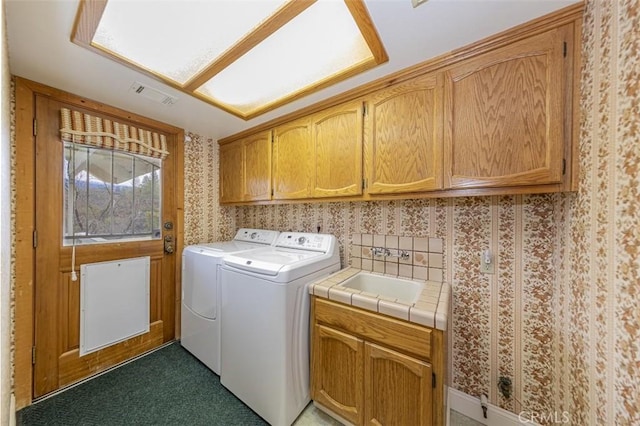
[(470, 406), (12, 410)]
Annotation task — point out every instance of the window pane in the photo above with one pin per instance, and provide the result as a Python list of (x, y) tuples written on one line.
[(157, 207), (110, 196), (143, 197), (100, 192)]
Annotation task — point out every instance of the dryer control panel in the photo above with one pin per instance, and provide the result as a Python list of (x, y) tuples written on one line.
[(305, 241), (262, 236)]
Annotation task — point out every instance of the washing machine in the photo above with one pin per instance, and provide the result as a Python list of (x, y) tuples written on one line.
[(200, 313), (265, 330)]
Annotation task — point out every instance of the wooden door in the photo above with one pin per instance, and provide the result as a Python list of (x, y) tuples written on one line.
[(57, 297), (403, 137), (336, 372), (231, 172), (337, 139), (257, 167), (397, 388), (292, 160), (504, 116)]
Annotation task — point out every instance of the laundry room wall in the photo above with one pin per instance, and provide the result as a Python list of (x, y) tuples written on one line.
[(204, 219), (560, 315), (503, 324)]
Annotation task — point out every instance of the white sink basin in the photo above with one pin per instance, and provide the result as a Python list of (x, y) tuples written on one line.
[(405, 291)]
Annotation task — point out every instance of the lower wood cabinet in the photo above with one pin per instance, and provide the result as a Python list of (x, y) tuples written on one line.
[(366, 372), (397, 388), (337, 369)]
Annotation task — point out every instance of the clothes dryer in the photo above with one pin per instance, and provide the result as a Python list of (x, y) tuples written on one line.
[(200, 313)]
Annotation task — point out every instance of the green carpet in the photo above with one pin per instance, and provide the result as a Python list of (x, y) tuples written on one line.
[(166, 387)]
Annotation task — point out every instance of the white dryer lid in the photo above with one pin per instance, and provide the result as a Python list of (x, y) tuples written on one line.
[(224, 247)]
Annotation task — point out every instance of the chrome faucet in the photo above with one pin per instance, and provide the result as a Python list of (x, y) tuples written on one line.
[(382, 251)]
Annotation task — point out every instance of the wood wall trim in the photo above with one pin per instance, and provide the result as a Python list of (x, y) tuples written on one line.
[(448, 193), (178, 225), (563, 16), (82, 102), (26, 91), (24, 252)]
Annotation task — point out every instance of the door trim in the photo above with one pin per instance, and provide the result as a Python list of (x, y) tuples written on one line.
[(24, 169)]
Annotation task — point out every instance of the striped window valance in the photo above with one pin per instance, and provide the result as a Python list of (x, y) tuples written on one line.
[(87, 129)]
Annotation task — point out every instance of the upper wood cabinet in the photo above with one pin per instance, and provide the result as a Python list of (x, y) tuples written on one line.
[(504, 115), (496, 117), (403, 137), (231, 171), (293, 160), (337, 139), (257, 167), (245, 169)]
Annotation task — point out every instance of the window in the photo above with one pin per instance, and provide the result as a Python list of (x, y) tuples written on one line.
[(110, 196)]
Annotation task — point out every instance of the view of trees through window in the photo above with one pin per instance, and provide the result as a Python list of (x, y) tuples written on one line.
[(110, 195)]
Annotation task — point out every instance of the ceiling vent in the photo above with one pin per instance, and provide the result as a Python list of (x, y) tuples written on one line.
[(152, 94)]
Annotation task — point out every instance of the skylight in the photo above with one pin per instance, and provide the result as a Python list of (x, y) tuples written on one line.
[(246, 57)]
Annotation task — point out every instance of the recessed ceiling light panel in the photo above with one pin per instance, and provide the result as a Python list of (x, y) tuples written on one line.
[(244, 57)]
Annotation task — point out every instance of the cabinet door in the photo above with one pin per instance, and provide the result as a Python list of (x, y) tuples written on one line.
[(504, 116), (403, 137), (337, 138), (397, 388), (292, 160), (257, 167), (336, 372), (231, 172)]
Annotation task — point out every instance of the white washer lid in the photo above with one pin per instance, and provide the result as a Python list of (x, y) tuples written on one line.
[(269, 262)]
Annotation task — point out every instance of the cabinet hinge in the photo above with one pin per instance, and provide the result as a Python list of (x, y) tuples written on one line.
[(33, 355), (35, 238), (272, 192), (433, 380), (364, 184), (564, 49), (564, 166), (35, 127), (364, 109)]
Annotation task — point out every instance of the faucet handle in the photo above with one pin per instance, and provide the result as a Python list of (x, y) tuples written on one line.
[(380, 251)]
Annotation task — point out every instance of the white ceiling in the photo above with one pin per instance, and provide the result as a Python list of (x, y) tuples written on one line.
[(38, 34)]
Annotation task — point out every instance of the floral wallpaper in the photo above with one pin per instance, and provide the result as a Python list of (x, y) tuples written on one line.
[(599, 249), (560, 314)]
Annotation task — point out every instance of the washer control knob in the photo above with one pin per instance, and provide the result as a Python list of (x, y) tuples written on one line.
[(301, 240), (253, 235)]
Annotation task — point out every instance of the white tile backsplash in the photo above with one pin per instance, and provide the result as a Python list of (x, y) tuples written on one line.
[(425, 256)]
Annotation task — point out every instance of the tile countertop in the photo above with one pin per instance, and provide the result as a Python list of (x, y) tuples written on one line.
[(431, 309)]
